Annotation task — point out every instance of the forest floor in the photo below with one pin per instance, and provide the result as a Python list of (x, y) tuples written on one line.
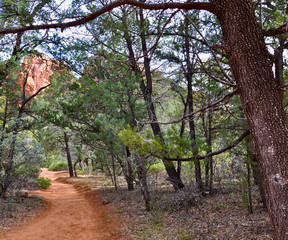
[(222, 216), (93, 210), (68, 214)]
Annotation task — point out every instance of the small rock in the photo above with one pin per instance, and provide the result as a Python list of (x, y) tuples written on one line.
[(37, 196)]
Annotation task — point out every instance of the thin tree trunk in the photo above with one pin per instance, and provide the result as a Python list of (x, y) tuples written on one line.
[(68, 155), (190, 102), (146, 89), (110, 174), (278, 55), (3, 133), (211, 176), (259, 181), (93, 165), (130, 176), (255, 169), (249, 188), (182, 130), (75, 169), (78, 161), (209, 164), (4, 120), (127, 170), (142, 174), (114, 169)]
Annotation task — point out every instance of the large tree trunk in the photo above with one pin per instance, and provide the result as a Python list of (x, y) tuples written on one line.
[(261, 98)]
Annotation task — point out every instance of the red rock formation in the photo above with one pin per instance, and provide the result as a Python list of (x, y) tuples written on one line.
[(37, 71)]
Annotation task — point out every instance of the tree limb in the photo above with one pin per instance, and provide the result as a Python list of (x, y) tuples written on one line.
[(32, 96), (233, 144), (111, 6), (276, 31)]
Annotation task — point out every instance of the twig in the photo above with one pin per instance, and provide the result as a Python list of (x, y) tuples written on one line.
[(159, 37)]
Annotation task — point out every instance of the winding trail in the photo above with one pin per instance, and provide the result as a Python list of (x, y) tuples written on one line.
[(69, 215)]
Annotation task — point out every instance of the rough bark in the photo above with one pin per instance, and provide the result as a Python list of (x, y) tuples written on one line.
[(260, 95)]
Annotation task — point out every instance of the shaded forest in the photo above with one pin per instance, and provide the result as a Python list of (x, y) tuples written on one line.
[(186, 100)]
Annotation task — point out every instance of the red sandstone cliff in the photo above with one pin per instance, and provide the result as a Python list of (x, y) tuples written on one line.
[(37, 71)]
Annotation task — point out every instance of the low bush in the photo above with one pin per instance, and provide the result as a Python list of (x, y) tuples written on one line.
[(46, 164), (58, 166), (44, 183)]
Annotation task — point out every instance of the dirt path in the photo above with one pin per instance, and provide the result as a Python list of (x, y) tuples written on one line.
[(69, 216)]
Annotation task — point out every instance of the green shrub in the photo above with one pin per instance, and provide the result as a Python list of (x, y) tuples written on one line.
[(44, 182), (156, 169), (58, 166), (47, 163), (22, 170)]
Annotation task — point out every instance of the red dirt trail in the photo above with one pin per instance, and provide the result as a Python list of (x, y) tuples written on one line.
[(69, 215)]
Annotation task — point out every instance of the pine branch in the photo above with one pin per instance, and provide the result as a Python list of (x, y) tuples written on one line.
[(208, 106)]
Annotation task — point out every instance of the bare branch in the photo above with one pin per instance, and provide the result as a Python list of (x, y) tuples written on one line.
[(159, 37)]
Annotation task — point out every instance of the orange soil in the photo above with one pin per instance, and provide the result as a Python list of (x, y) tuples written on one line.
[(69, 215)]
